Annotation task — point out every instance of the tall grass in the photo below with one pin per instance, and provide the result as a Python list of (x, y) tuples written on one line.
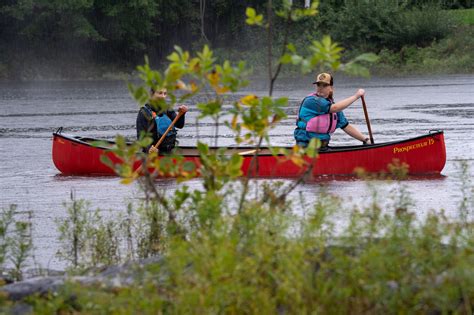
[(16, 242)]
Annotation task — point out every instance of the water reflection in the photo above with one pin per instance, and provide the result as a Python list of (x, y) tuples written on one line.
[(352, 178)]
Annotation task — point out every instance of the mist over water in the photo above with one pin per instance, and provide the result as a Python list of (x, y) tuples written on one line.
[(399, 108)]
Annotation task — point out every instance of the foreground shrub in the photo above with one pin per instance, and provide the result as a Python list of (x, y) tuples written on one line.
[(330, 257), (15, 242)]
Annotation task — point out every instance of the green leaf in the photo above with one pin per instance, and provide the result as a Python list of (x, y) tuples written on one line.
[(266, 101), (312, 148), (120, 140), (367, 57), (306, 66), (174, 57), (356, 69), (144, 142), (275, 151), (252, 17), (281, 101), (295, 59), (203, 148), (291, 48), (105, 160), (286, 58), (250, 12), (101, 143)]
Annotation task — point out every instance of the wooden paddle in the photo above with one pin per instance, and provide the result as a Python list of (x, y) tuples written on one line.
[(367, 119), (248, 152), (180, 113)]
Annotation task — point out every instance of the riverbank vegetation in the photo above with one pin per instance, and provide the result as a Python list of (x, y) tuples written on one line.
[(329, 256), (55, 40), (242, 245)]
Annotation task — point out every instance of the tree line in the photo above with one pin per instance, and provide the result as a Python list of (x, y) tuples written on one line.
[(122, 32)]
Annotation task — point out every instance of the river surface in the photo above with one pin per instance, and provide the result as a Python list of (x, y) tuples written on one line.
[(399, 108)]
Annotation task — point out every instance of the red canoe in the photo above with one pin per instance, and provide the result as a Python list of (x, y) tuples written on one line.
[(424, 154)]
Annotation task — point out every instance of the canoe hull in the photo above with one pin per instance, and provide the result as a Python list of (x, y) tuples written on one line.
[(424, 155)]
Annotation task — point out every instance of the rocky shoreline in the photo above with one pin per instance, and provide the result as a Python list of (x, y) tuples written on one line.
[(112, 277)]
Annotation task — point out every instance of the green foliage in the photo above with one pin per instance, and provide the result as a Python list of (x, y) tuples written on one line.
[(297, 14), (450, 55), (42, 39), (72, 231), (326, 54), (373, 25), (6, 219), (253, 18), (21, 247), (87, 239), (465, 17), (36, 36), (15, 241), (126, 25), (217, 168), (424, 25), (466, 205), (266, 259), (148, 231), (256, 116), (53, 20), (355, 66)]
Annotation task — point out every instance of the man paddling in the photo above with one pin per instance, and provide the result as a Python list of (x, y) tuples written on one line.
[(149, 121)]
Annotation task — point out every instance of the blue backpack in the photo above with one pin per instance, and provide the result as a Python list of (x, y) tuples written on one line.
[(162, 123)]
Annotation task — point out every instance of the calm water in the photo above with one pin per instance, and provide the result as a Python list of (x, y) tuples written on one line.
[(399, 108)]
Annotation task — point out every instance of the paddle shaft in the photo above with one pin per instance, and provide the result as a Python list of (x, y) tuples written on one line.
[(367, 119)]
